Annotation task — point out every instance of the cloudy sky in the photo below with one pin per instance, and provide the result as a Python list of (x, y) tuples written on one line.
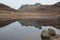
[(17, 3)]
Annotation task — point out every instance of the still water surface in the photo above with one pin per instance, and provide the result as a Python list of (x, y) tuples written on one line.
[(15, 31)]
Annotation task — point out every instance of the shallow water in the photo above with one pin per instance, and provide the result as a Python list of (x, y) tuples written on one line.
[(15, 31)]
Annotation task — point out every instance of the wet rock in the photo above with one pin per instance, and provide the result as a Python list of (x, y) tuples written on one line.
[(51, 32), (47, 34)]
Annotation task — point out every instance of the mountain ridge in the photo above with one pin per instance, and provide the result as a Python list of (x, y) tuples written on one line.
[(39, 7), (5, 7)]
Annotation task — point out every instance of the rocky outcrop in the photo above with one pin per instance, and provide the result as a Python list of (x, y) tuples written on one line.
[(51, 32), (29, 8), (47, 34), (39, 7)]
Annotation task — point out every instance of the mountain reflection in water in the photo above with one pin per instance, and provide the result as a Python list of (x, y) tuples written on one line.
[(15, 31)]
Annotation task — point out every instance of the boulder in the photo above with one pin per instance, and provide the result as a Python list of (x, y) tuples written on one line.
[(47, 34), (51, 32)]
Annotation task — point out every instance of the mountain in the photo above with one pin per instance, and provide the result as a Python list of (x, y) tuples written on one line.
[(57, 4), (5, 7), (39, 7), (29, 8)]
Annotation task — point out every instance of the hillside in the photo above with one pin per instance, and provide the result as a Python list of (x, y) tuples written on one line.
[(5, 7), (40, 8), (29, 7), (57, 4)]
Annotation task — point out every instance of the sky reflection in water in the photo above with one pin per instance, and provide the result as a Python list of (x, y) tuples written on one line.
[(15, 31)]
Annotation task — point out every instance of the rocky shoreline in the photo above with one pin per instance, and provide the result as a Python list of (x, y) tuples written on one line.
[(49, 34)]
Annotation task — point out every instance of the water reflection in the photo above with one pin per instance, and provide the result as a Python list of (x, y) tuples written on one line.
[(15, 31), (6, 22)]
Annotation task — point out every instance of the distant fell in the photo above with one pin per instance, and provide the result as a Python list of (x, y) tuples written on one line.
[(39, 7), (5, 7), (57, 4), (29, 8)]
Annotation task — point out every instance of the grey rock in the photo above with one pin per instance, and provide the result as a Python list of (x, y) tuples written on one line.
[(51, 31), (47, 34)]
